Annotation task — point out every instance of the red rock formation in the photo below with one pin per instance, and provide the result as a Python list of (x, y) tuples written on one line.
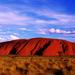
[(37, 46)]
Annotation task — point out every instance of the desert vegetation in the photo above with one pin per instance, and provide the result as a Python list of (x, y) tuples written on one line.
[(12, 65)]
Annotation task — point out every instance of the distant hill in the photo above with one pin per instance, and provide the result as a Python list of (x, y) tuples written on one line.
[(38, 47)]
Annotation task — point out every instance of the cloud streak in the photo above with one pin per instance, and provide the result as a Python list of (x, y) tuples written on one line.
[(53, 31), (59, 18), (12, 18), (13, 37), (18, 18)]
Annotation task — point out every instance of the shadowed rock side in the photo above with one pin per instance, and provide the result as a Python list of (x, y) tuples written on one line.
[(37, 46)]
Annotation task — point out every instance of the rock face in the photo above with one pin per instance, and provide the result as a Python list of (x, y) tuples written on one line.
[(37, 46)]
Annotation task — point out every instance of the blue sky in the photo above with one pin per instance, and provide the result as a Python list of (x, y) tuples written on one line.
[(37, 18)]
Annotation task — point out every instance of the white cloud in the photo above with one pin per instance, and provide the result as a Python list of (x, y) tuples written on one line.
[(8, 37), (25, 29), (59, 18), (73, 32), (2, 39), (44, 22), (22, 28), (53, 30), (41, 31), (13, 18), (13, 37), (16, 34)]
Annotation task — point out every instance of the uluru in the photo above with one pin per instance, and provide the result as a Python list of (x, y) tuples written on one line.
[(37, 47)]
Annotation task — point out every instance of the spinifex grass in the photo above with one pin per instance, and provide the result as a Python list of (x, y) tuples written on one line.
[(16, 65)]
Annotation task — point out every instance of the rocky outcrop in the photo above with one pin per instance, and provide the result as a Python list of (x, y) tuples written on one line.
[(37, 46)]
